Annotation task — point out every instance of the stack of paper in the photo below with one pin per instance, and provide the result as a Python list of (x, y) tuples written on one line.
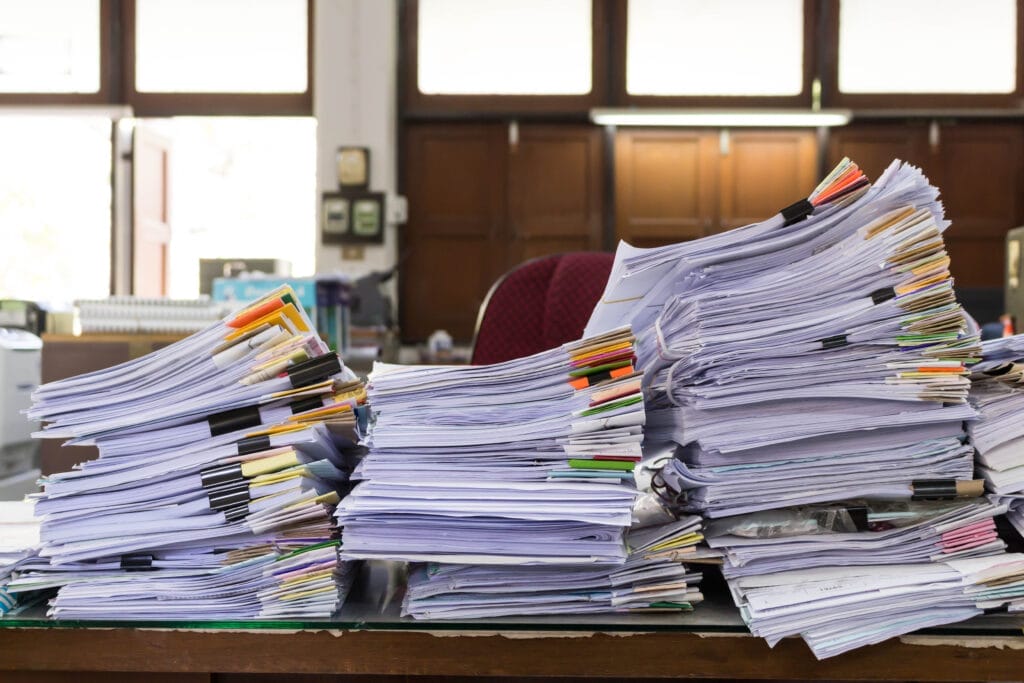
[(651, 580), (865, 533), (835, 609), (997, 392), (817, 359), (524, 462), (741, 355), (221, 460), (19, 543), (520, 478)]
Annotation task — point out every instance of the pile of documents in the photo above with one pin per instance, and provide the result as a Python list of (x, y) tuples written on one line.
[(653, 579), (812, 370), (515, 482), (835, 609), (524, 462), (997, 392), (221, 460), (19, 543)]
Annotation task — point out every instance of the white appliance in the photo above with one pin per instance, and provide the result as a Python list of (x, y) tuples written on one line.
[(20, 371)]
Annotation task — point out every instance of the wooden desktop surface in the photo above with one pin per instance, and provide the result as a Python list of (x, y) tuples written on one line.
[(482, 654)]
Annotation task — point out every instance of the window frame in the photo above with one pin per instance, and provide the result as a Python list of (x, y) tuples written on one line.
[(108, 56), (622, 97), (413, 103), (156, 104), (117, 79), (834, 97)]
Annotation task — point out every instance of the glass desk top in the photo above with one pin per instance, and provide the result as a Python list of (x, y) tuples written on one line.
[(376, 597)]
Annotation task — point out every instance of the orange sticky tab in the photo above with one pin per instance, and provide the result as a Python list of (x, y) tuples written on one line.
[(255, 312)]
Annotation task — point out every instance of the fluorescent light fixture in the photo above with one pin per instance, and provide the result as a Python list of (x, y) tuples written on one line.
[(721, 118)]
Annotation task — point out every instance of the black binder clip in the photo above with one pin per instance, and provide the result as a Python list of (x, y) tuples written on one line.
[(308, 403), (314, 370), (880, 296), (254, 444), (234, 420), (137, 563), (213, 477), (933, 489), (834, 342), (797, 211)]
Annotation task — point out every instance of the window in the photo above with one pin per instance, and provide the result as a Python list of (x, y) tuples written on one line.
[(221, 46), (50, 46), (928, 46), (240, 188), (55, 207), (694, 48), (504, 47), (504, 55)]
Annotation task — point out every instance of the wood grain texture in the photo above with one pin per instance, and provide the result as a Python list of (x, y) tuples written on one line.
[(407, 653)]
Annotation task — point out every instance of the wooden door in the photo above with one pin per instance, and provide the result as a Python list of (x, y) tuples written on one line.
[(555, 191), (151, 219), (873, 146), (979, 176), (454, 178), (665, 185), (763, 172)]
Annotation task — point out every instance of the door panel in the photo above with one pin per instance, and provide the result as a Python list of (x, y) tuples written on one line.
[(151, 220), (874, 146), (665, 185), (764, 171), (555, 191), (454, 177), (980, 174)]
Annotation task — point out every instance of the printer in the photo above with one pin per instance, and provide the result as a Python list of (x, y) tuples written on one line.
[(20, 366)]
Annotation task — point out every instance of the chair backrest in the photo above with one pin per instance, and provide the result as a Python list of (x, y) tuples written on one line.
[(539, 305)]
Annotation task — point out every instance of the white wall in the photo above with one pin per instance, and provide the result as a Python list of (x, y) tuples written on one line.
[(355, 101)]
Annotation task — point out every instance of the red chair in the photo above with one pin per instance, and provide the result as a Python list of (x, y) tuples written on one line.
[(539, 305)]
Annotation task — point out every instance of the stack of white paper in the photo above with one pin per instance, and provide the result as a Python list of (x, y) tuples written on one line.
[(849, 317), (835, 609), (19, 543), (651, 580), (528, 461), (221, 460), (997, 392), (817, 358), (867, 533)]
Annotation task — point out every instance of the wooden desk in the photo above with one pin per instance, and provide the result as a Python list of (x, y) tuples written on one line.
[(193, 655)]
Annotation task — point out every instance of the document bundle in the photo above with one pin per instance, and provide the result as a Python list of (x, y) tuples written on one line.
[(515, 482), (19, 543), (524, 462), (812, 371), (997, 392), (221, 460)]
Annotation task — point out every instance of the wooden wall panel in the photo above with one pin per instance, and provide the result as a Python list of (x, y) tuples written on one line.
[(556, 191), (874, 146), (764, 171), (978, 170), (454, 177), (665, 185)]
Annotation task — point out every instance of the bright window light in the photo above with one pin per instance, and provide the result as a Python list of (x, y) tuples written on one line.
[(504, 47), (725, 47), (236, 46), (54, 208), (928, 46), (50, 46), (241, 188)]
